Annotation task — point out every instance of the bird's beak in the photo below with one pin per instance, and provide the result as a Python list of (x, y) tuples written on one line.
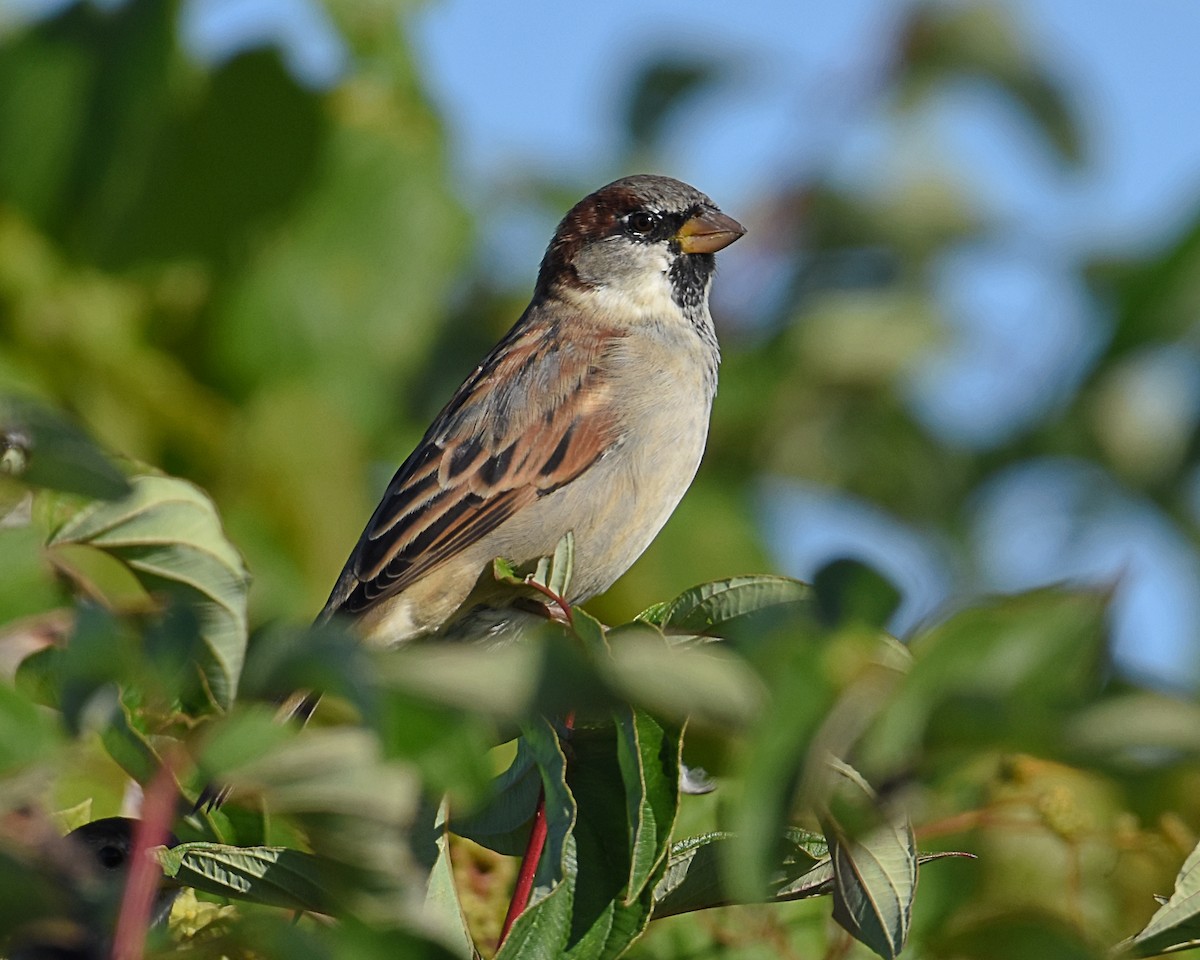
[(708, 232)]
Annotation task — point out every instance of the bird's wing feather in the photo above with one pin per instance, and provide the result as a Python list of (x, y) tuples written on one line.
[(531, 418)]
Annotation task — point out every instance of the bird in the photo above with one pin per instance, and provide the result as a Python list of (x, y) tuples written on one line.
[(108, 845), (590, 416), (87, 870)]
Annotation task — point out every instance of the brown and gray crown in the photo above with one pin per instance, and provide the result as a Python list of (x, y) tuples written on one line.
[(643, 208)]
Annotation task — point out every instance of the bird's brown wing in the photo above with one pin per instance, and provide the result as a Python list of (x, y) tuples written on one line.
[(532, 417)]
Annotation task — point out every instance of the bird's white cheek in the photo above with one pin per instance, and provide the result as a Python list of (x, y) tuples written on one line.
[(648, 293), (625, 278)]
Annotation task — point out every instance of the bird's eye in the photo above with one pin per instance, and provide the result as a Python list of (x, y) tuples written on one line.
[(641, 223)]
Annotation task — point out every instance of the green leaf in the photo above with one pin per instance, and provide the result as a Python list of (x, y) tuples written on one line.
[(622, 786), (26, 733), (711, 608), (241, 739), (502, 825), (648, 755), (593, 635), (44, 449), (695, 880), (337, 770), (875, 870), (801, 696), (850, 592), (129, 746), (548, 672), (82, 679), (695, 877), (584, 904), (167, 532), (356, 809), (1005, 673), (273, 934), (275, 876), (100, 681), (543, 581), (442, 906), (706, 684), (1176, 924), (543, 930), (353, 941), (498, 682), (448, 747), (327, 656), (555, 572), (504, 571), (874, 882), (26, 584), (611, 849)]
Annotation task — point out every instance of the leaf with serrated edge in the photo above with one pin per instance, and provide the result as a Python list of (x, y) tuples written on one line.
[(874, 875), (874, 881), (168, 533), (1176, 924), (651, 791), (607, 915), (275, 876), (709, 607), (694, 879)]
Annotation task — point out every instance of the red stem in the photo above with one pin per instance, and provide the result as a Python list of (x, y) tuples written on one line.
[(531, 857), (158, 810), (529, 863)]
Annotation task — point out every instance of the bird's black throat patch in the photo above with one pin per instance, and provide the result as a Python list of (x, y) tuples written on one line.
[(690, 274)]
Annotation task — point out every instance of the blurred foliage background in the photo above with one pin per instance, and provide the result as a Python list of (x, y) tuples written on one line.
[(268, 285)]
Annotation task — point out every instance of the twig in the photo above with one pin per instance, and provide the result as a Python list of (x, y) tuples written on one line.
[(529, 863), (531, 858), (563, 614), (158, 810)]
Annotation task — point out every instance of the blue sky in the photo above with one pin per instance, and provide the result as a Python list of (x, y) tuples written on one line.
[(1131, 67)]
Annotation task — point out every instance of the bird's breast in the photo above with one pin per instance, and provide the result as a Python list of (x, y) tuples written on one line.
[(664, 390)]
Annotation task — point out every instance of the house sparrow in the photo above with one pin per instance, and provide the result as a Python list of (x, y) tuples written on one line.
[(589, 416), (84, 876), (108, 843)]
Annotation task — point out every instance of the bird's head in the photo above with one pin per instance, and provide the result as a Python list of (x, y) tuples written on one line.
[(643, 239)]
